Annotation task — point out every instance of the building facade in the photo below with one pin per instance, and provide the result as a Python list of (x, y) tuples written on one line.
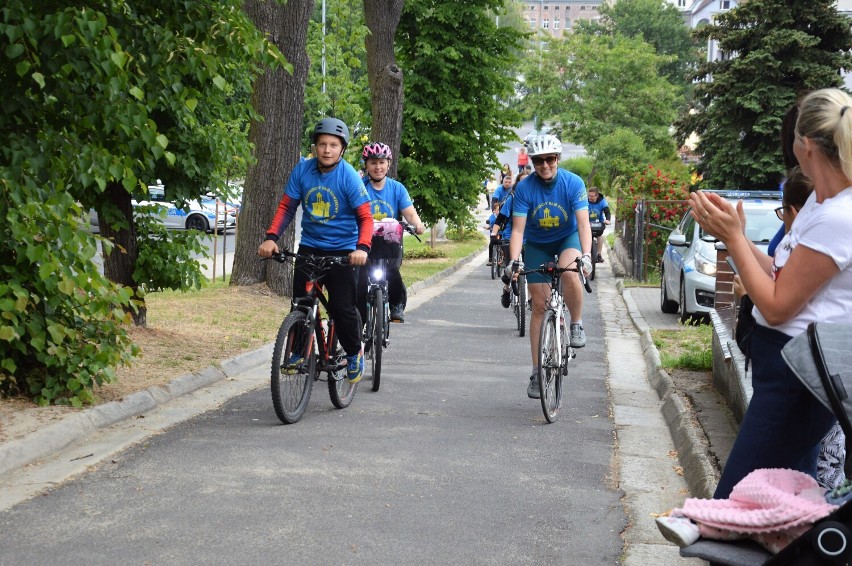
[(558, 17)]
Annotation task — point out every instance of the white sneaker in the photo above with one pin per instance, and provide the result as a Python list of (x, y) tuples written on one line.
[(679, 530), (578, 335)]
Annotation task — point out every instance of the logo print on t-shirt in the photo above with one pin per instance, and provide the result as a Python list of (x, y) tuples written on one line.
[(544, 213), (322, 204), (381, 209)]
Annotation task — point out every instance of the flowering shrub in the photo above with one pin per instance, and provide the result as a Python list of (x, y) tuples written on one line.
[(665, 201)]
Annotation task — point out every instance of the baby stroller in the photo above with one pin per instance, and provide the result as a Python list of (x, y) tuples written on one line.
[(820, 358)]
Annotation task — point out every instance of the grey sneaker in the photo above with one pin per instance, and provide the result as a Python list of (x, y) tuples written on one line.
[(578, 335), (533, 392)]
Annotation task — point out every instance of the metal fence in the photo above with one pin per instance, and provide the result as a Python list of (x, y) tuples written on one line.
[(643, 248)]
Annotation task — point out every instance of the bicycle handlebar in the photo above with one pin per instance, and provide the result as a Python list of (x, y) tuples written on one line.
[(410, 229), (283, 255), (552, 270)]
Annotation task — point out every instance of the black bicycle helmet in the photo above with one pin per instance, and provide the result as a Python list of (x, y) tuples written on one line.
[(331, 126)]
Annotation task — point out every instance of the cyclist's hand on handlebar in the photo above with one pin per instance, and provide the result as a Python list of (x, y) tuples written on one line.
[(421, 228), (586, 264), (267, 248), (358, 257)]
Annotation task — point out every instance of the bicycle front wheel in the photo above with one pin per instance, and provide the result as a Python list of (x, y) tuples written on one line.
[(379, 321), (521, 312), (549, 367), (340, 389), (293, 368)]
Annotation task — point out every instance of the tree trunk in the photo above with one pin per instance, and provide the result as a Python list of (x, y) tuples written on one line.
[(121, 261), (280, 98), (385, 76)]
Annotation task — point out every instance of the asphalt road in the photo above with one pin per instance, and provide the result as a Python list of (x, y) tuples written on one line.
[(449, 463)]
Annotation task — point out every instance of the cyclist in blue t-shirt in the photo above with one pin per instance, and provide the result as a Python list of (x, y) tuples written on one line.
[(550, 218), (598, 211), (504, 229), (388, 199), (336, 221)]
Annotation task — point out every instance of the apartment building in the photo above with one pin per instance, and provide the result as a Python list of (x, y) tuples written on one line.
[(557, 17)]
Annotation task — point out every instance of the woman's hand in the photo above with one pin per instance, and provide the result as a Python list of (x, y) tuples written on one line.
[(717, 216)]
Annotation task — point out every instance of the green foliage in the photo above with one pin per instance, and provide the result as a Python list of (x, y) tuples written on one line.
[(63, 324), (347, 90), (581, 166), (619, 153), (689, 347), (664, 195), (116, 94), (459, 77), (661, 25), (593, 85), (425, 253), (782, 49), (167, 259)]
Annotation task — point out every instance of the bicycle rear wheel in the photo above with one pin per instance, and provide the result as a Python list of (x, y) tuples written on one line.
[(521, 312), (293, 368), (549, 367), (494, 266), (594, 259), (340, 389), (379, 321)]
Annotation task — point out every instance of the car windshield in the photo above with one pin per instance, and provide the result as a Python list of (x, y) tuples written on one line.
[(761, 225)]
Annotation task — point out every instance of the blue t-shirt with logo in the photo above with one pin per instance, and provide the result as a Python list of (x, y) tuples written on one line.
[(389, 201), (506, 211), (328, 204), (596, 209), (550, 210)]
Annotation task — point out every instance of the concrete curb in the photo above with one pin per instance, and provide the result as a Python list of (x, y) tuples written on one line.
[(698, 470), (19, 452)]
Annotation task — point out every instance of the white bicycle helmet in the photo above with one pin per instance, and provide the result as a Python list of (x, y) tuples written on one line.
[(544, 145)]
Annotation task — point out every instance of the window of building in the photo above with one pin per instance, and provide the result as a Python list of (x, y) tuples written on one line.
[(545, 24), (533, 23), (582, 7), (555, 23), (724, 4)]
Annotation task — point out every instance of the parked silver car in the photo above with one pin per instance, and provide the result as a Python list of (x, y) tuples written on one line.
[(688, 266)]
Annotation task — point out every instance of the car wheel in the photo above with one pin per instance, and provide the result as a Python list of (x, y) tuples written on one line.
[(197, 222), (666, 305), (685, 317)]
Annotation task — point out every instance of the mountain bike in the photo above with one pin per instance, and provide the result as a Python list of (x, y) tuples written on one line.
[(554, 347), (385, 252), (307, 345)]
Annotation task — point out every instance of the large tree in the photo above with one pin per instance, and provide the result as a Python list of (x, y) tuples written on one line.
[(592, 85), (278, 99), (661, 25), (385, 75), (775, 50), (459, 76), (101, 98)]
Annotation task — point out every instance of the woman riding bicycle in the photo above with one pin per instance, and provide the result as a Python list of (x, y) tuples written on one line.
[(336, 221), (550, 218), (388, 199)]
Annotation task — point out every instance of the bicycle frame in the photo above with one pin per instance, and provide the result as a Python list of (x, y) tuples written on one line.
[(377, 272)]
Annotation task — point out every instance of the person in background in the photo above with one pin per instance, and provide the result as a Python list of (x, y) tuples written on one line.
[(502, 191), (523, 158), (598, 211), (388, 199), (503, 228), (808, 280), (506, 171)]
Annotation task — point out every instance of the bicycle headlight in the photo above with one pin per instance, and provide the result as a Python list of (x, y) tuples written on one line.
[(378, 273)]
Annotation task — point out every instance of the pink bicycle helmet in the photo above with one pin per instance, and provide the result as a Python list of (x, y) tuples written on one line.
[(377, 150)]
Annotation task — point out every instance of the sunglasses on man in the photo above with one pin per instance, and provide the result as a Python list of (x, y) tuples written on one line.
[(550, 159)]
